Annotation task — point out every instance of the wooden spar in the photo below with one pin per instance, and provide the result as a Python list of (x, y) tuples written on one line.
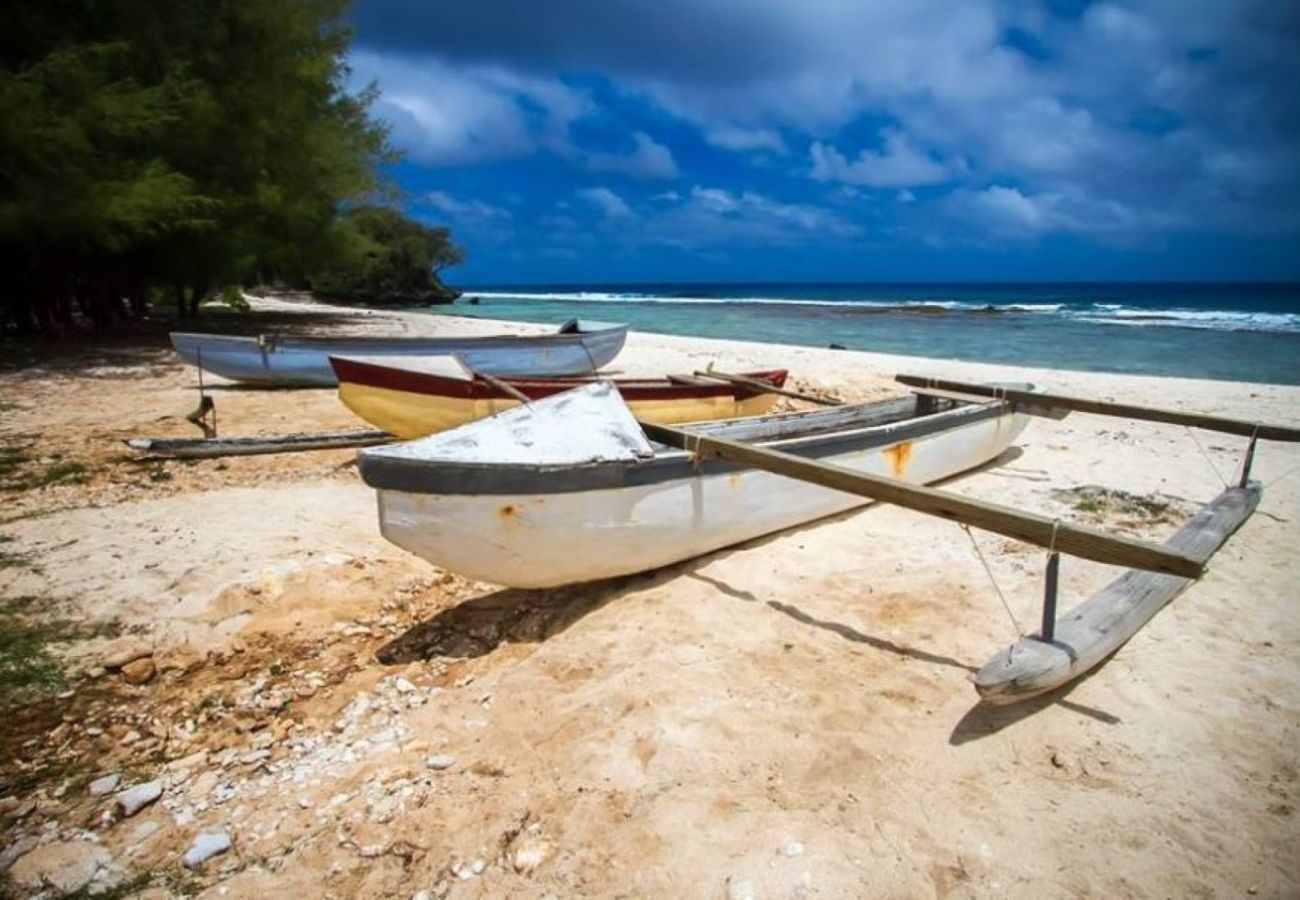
[(1076, 540), (207, 448), (1099, 626), (504, 387), (1105, 408), (767, 388)]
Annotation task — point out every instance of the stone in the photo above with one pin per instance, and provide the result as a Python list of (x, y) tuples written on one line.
[(65, 866), (739, 889), (132, 800), (403, 685), (203, 785), (792, 848), (139, 671), (143, 832), (104, 785), (206, 845), (528, 852), (124, 651), (16, 851), (440, 761), (466, 871)]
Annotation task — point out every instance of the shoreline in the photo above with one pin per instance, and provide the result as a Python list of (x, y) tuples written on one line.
[(802, 698)]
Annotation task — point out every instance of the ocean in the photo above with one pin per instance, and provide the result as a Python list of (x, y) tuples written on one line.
[(1235, 332)]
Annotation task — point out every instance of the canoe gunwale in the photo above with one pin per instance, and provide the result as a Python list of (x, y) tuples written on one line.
[(452, 478), (396, 378)]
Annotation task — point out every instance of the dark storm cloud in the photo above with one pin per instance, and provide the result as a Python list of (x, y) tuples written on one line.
[(709, 40)]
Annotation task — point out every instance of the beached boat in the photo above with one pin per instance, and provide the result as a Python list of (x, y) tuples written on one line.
[(511, 498), (579, 347), (533, 498), (414, 396)]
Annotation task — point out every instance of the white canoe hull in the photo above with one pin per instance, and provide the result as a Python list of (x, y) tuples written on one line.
[(541, 540)]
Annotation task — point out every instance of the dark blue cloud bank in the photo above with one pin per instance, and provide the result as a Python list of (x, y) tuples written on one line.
[(592, 140)]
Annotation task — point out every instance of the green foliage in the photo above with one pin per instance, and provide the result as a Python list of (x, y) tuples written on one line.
[(234, 298), (172, 148), (380, 256)]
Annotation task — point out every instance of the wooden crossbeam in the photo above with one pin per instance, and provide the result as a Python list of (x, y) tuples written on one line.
[(1076, 540), (766, 388), (1107, 408)]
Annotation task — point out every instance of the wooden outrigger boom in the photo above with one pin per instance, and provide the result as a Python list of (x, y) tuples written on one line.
[(1105, 408), (1077, 540)]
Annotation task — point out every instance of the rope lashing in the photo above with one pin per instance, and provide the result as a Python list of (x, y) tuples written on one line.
[(1020, 632)]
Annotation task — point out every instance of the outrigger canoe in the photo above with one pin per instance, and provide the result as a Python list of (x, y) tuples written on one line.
[(411, 397), (510, 499), (579, 347)]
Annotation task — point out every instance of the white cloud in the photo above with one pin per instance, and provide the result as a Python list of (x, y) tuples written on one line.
[(466, 212), (648, 160), (729, 137), (610, 204), (448, 115), (899, 164)]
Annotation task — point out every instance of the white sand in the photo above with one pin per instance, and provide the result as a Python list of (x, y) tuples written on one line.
[(793, 713)]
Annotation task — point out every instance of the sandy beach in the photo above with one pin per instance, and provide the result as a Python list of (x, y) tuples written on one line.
[(787, 718)]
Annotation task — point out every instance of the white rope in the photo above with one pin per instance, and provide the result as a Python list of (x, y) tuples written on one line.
[(993, 579), (1195, 440)]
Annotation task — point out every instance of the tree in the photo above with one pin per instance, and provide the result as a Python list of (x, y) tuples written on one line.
[(383, 257), (172, 147)]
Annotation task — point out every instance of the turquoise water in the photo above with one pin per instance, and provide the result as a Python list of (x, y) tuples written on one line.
[(1239, 332)]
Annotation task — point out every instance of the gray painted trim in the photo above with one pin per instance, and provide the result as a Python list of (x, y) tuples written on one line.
[(465, 479)]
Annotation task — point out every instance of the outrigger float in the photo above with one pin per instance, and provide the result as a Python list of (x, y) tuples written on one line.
[(506, 499)]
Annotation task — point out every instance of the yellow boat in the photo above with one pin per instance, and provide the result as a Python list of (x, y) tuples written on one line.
[(414, 396)]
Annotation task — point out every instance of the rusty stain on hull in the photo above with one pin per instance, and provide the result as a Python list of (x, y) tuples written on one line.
[(898, 456)]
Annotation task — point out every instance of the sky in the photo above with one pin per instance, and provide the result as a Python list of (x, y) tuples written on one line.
[(587, 141)]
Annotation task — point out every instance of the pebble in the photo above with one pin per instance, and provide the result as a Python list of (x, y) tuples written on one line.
[(64, 867), (403, 686), (104, 785), (529, 852), (466, 871), (16, 851), (739, 889), (203, 785), (139, 671), (132, 800), (123, 652), (440, 761), (205, 846), (792, 848)]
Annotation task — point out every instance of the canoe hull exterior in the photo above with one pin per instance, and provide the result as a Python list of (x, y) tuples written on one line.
[(547, 540), (302, 362), (408, 415)]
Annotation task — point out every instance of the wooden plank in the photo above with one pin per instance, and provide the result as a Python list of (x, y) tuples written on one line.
[(691, 380), (1076, 540), (508, 389), (767, 388), (1099, 626), (208, 448), (1106, 408)]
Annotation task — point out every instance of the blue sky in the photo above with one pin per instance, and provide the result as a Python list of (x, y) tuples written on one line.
[(836, 140)]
